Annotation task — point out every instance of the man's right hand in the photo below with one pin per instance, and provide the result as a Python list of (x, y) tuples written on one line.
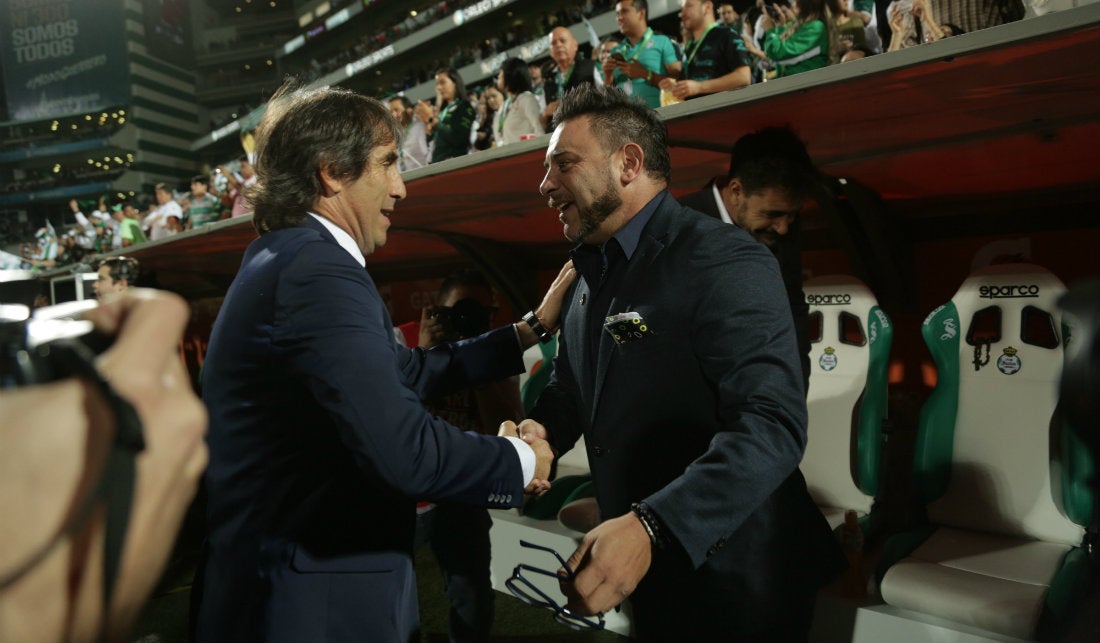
[(534, 434), (544, 457)]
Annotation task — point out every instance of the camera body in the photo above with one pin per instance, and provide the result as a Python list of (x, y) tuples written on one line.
[(467, 318), (38, 348)]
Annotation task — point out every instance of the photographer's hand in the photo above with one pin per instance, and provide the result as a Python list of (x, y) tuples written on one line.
[(432, 331), (56, 437), (144, 367)]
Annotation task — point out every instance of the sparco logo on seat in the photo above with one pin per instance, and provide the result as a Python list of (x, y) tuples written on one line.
[(1008, 291), (829, 300)]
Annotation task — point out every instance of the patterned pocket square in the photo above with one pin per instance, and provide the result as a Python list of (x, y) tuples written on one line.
[(627, 327)]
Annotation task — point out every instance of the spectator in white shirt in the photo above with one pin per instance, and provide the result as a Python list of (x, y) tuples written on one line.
[(166, 219)]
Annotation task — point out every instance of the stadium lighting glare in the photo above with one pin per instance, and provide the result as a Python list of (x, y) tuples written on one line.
[(413, 13), (237, 9), (121, 112), (91, 161), (74, 125), (247, 67), (121, 121), (270, 62), (87, 117)]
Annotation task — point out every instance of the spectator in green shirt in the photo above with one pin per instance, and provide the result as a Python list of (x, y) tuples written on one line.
[(129, 224), (797, 38), (643, 59)]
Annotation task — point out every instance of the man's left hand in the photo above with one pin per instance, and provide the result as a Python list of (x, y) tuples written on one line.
[(609, 564)]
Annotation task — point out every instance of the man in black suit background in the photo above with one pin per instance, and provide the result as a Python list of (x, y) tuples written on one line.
[(319, 443), (678, 364), (769, 180)]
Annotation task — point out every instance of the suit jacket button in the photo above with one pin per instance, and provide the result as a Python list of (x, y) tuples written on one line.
[(597, 451)]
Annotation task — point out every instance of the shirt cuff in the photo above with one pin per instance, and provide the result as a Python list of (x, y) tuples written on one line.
[(526, 458)]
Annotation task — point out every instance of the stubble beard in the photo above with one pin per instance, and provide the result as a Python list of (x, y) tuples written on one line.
[(591, 217)]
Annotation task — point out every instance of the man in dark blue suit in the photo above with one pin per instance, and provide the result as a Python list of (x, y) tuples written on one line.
[(677, 362), (318, 438)]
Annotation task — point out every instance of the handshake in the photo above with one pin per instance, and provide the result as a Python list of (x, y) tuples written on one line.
[(534, 434)]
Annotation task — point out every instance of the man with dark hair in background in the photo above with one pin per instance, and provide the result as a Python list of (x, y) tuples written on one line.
[(318, 436), (729, 17), (770, 177), (116, 274), (678, 364), (458, 532), (203, 207)]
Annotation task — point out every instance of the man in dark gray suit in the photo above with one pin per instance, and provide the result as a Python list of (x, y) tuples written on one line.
[(318, 438), (769, 179), (678, 364)]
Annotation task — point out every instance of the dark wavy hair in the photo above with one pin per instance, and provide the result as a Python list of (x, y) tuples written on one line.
[(303, 131), (618, 119), (460, 85), (773, 157), (517, 76), (121, 268)]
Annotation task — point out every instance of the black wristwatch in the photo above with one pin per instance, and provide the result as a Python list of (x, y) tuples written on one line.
[(541, 331)]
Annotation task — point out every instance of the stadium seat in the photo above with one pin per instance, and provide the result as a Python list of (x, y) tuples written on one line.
[(1003, 483), (850, 348), (538, 361)]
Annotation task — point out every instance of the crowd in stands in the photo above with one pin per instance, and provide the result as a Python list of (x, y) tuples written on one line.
[(113, 224), (773, 39), (462, 54)]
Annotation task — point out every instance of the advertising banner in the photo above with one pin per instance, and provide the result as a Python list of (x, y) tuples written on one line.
[(62, 57)]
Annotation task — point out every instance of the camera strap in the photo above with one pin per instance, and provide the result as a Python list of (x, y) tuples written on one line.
[(115, 486)]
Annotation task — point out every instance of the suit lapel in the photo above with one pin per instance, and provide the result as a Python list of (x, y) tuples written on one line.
[(575, 331)]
